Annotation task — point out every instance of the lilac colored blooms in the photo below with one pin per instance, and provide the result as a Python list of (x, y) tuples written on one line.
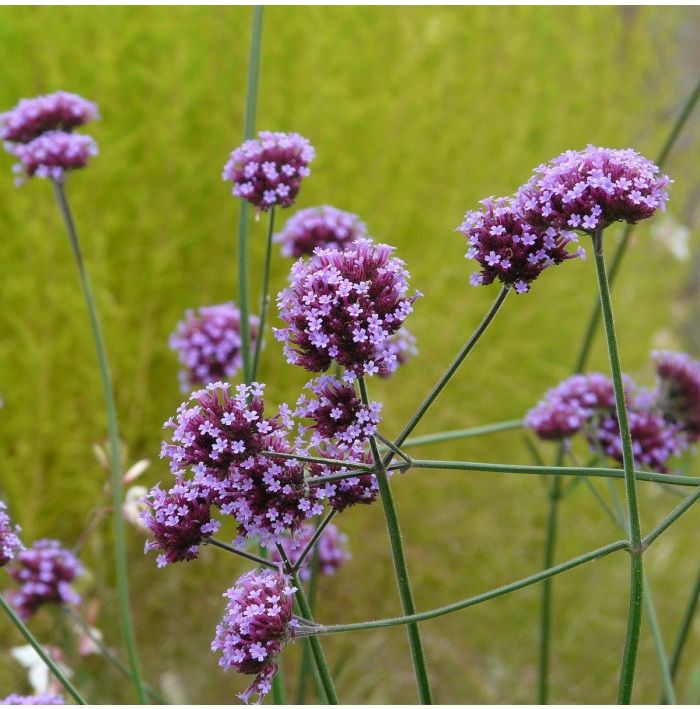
[(399, 348), (343, 306), (331, 547), (677, 395), (509, 249), (58, 111), (180, 520), (45, 571), (52, 154), (324, 227), (257, 625), (10, 543), (209, 344), (267, 171), (47, 698), (590, 189)]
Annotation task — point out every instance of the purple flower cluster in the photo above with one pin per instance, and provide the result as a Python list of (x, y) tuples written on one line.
[(45, 571), (38, 132), (509, 249), (590, 189), (10, 543), (268, 171), (325, 227), (209, 344), (663, 422), (344, 306), (58, 111), (47, 698), (256, 627), (331, 548)]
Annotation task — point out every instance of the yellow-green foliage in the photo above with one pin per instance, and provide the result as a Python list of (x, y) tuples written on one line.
[(416, 113)]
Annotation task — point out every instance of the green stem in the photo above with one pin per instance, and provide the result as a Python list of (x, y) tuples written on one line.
[(685, 627), (474, 600), (239, 552), (671, 518), (244, 213), (321, 461), (264, 298), (115, 464), (312, 542), (400, 566), (634, 618), (462, 433), (55, 671)]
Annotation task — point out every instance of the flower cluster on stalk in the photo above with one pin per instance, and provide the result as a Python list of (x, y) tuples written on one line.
[(209, 342), (45, 572), (39, 133), (663, 422), (10, 544), (267, 171), (256, 627)]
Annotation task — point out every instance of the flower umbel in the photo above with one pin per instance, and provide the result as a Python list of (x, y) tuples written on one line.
[(256, 627), (677, 395), (268, 171)]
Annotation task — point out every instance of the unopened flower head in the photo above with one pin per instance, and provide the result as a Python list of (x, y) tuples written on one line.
[(45, 571), (267, 171), (213, 429), (510, 250), (343, 306), (337, 412), (590, 189), (58, 111), (44, 699), (179, 520), (324, 227), (331, 548), (52, 155), (10, 543), (257, 625), (677, 395), (208, 343)]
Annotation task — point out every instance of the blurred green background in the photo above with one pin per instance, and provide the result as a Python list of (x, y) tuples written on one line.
[(416, 113)]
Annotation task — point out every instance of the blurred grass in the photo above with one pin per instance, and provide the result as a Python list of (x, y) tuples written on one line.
[(416, 113)]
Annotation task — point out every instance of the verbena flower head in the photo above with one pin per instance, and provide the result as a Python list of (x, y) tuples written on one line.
[(343, 306), (267, 171), (324, 227), (257, 625), (180, 520), (337, 412), (44, 699), (331, 548), (45, 571), (568, 407), (208, 343), (10, 543), (58, 111), (590, 189), (677, 395), (213, 429), (510, 250), (53, 154)]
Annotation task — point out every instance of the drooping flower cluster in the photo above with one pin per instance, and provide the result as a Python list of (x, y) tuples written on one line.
[(10, 543), (39, 133), (662, 422), (509, 249), (268, 171), (344, 306), (179, 520), (592, 188), (209, 344), (45, 571), (331, 549), (256, 627), (45, 699), (324, 227)]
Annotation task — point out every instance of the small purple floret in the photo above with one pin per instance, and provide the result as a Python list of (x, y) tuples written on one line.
[(10, 544)]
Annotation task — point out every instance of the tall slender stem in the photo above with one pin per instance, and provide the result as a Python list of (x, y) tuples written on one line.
[(685, 627), (114, 462), (264, 298), (400, 566), (634, 619)]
